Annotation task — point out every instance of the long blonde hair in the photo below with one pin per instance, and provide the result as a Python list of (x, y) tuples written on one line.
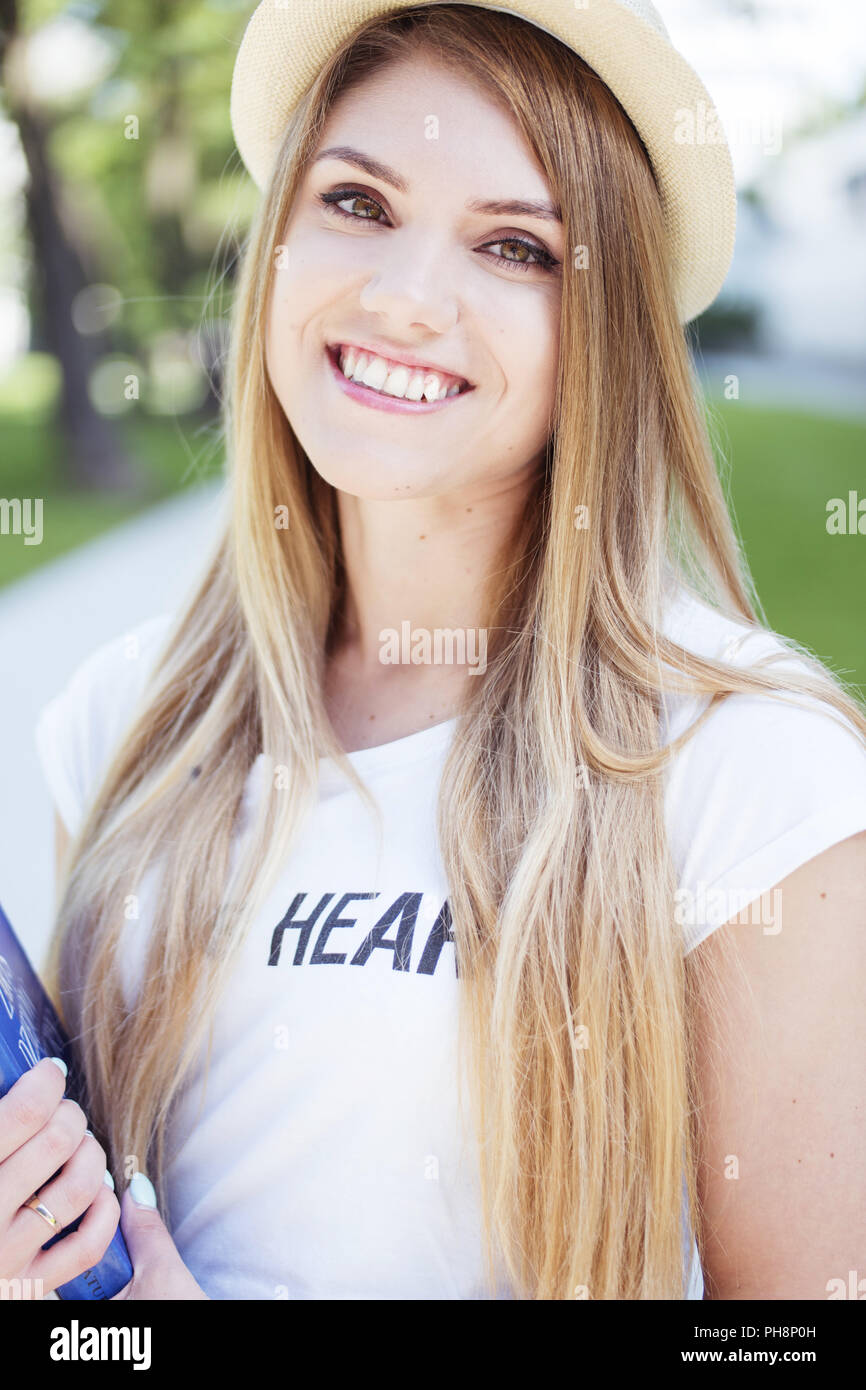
[(576, 997)]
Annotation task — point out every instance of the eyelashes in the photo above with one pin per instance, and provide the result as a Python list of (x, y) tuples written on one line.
[(545, 261)]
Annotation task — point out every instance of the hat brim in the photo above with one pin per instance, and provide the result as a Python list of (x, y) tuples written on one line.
[(285, 47)]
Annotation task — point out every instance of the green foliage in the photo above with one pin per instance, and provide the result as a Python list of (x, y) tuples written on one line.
[(149, 215)]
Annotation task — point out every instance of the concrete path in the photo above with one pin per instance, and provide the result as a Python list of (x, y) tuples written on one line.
[(826, 388), (49, 623)]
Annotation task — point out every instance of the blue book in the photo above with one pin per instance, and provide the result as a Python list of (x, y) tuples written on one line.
[(29, 1031)]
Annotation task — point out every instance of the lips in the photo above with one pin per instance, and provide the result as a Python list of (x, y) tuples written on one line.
[(397, 378)]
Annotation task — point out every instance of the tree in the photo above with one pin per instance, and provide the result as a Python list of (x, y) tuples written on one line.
[(97, 456)]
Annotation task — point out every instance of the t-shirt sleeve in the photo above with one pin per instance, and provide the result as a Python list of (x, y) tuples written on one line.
[(760, 789), (78, 730)]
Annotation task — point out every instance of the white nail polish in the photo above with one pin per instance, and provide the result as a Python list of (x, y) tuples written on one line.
[(142, 1191)]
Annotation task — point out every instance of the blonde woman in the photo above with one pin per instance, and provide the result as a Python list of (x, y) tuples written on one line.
[(535, 972)]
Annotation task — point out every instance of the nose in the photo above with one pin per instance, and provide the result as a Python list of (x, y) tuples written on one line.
[(411, 287)]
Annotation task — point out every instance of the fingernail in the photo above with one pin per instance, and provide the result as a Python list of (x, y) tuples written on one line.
[(142, 1191), (61, 1064), (108, 1180), (90, 1132)]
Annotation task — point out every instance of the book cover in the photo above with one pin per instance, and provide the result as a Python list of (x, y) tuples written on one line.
[(29, 1031)]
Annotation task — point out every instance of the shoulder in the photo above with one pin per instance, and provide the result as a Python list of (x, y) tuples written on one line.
[(763, 786), (781, 1039), (704, 631), (78, 729)]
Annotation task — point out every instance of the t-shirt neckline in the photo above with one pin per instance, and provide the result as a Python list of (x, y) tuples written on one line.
[(396, 752)]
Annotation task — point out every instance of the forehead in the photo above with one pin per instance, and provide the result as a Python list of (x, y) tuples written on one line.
[(418, 113)]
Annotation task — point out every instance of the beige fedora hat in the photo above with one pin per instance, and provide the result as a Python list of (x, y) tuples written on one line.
[(287, 42)]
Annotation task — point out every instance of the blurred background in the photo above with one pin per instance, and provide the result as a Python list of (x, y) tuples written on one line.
[(122, 206)]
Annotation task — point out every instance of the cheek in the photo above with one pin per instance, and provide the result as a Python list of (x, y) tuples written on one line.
[(532, 342), (313, 268), (287, 309), (279, 353), (312, 273), (292, 304)]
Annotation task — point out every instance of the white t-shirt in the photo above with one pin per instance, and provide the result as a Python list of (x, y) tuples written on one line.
[(329, 1159)]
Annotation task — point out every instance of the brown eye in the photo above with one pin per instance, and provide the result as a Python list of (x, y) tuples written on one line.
[(528, 255), (520, 248), (356, 199), (542, 259)]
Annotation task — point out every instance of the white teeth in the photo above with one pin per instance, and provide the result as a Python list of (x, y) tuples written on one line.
[(399, 381), (432, 386), (349, 360), (376, 374), (415, 389)]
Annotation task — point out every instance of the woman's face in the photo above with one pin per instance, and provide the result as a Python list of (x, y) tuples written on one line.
[(389, 250)]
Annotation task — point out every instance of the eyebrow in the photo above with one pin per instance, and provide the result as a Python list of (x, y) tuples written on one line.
[(497, 207)]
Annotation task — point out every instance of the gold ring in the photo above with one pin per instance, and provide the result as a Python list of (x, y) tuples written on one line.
[(36, 1205)]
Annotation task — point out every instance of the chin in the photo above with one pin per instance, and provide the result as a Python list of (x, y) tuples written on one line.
[(370, 477)]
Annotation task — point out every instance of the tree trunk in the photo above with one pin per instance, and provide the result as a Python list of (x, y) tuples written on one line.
[(96, 455)]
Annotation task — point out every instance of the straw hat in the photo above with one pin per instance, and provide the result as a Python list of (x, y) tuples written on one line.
[(287, 42)]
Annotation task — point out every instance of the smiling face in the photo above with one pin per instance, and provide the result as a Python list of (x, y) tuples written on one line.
[(390, 250)]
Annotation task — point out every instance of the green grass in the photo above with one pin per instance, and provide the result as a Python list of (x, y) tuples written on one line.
[(783, 467), (170, 457)]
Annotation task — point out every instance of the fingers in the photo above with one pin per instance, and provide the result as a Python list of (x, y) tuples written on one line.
[(69, 1194), (36, 1162), (45, 1150), (78, 1250), (29, 1104)]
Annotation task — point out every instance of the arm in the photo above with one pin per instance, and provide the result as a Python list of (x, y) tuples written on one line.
[(782, 1083)]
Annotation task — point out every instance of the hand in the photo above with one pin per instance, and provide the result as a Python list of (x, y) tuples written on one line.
[(159, 1272), (45, 1148)]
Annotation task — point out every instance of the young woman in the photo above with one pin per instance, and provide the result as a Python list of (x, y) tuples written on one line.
[(507, 975)]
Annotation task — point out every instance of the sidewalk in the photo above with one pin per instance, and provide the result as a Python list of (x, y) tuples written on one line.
[(48, 624), (826, 388)]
